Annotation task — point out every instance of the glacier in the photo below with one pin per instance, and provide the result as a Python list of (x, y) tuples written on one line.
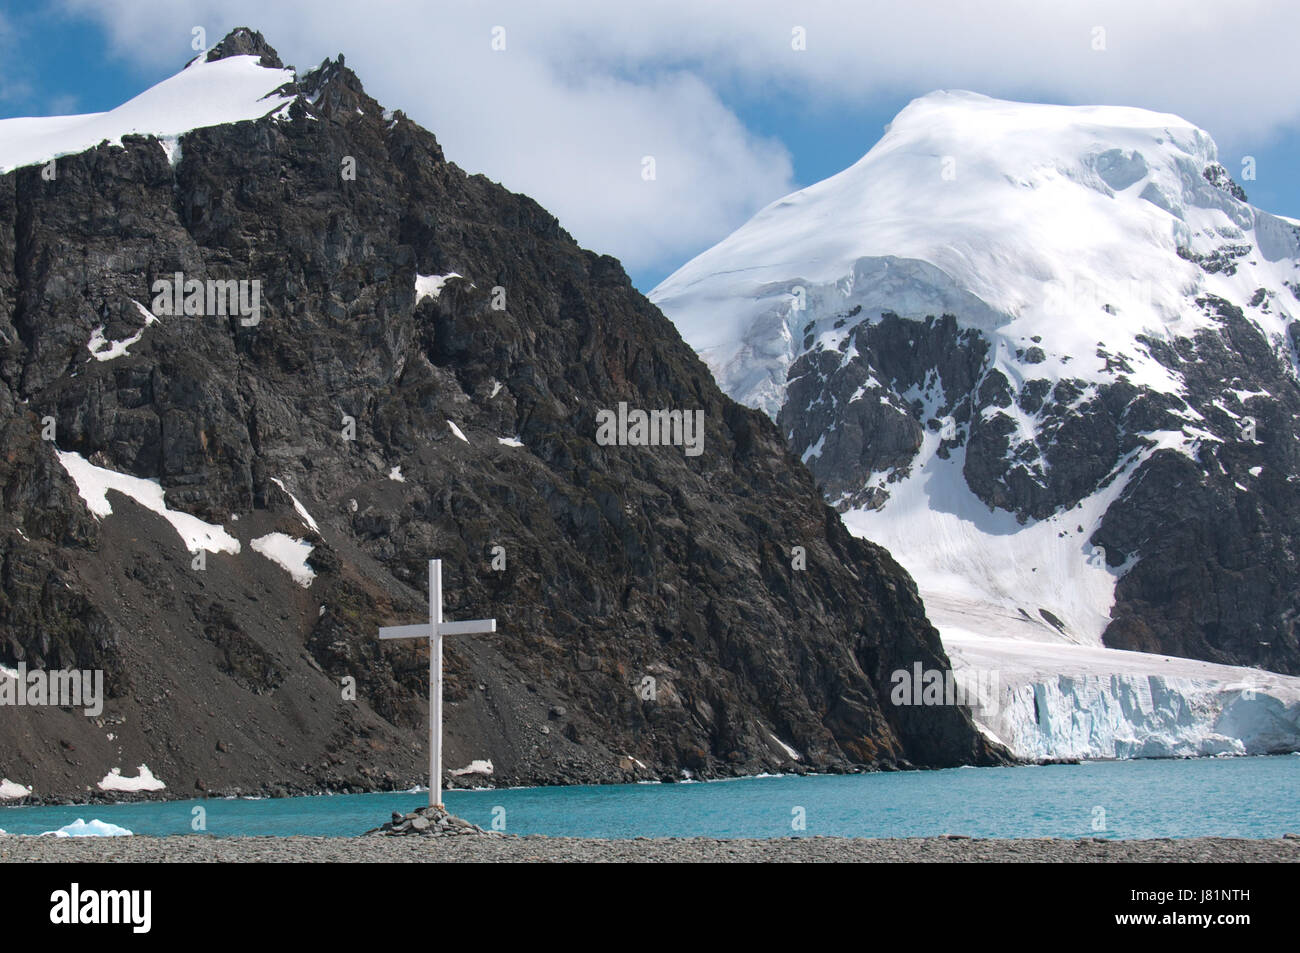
[(1061, 702)]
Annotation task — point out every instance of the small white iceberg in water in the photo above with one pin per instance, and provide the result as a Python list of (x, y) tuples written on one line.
[(113, 781), (95, 828)]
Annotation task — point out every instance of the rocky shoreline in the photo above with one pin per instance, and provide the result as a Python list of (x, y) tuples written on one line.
[(540, 849), (412, 785)]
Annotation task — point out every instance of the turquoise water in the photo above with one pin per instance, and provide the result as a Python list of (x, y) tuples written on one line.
[(1236, 797)]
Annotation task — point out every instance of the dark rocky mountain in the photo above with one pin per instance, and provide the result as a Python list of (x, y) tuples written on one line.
[(383, 415)]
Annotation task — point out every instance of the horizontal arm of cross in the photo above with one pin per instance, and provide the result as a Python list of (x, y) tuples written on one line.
[(468, 627), (418, 631), (422, 630)]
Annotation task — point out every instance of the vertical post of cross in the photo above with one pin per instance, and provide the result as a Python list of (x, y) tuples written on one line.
[(435, 683)]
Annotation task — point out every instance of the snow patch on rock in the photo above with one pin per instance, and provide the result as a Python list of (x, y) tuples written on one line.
[(430, 286), (288, 553), (143, 781), (11, 790), (474, 767), (298, 507), (790, 752), (93, 484), (103, 349)]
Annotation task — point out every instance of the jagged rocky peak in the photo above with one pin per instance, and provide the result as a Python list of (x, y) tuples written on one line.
[(242, 41), (1046, 355), (219, 508), (333, 91)]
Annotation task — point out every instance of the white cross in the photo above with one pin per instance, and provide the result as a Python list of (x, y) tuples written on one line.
[(434, 630)]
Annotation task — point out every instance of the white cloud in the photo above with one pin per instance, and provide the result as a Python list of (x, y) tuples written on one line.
[(585, 88), (1231, 68)]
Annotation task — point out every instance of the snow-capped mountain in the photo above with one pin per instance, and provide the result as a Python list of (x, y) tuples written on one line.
[(1046, 355)]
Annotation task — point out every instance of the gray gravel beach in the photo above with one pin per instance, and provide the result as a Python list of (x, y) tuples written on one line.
[(534, 849)]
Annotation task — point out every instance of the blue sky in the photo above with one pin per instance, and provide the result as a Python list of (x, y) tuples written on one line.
[(735, 119)]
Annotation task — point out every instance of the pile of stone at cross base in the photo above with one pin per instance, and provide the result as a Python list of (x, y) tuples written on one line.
[(429, 821)]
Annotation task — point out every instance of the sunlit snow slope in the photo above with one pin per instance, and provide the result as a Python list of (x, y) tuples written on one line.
[(1111, 296), (1021, 218), (205, 93)]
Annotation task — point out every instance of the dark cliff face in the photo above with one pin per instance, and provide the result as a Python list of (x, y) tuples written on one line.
[(1219, 576), (1210, 539), (649, 617)]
